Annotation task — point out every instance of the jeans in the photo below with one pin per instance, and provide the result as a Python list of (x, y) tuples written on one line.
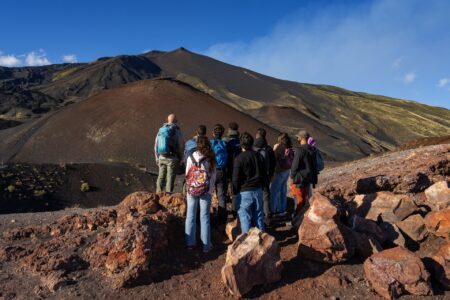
[(167, 173), (205, 223), (221, 192), (278, 192), (250, 209)]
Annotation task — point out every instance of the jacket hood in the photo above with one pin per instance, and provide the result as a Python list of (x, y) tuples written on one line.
[(260, 143)]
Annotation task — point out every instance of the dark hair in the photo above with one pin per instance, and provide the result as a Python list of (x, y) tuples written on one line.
[(204, 147), (201, 130), (247, 141), (233, 126), (218, 130), (261, 132), (284, 138)]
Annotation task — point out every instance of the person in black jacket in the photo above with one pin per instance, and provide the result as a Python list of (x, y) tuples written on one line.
[(248, 181), (268, 156), (303, 172)]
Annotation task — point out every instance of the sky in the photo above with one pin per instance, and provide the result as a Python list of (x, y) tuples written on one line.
[(397, 48)]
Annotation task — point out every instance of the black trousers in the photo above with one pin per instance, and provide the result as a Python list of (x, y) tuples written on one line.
[(221, 192)]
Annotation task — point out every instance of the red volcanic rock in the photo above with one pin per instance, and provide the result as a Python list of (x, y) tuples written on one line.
[(388, 206), (414, 227), (174, 203), (439, 266), (135, 204), (321, 236), (397, 271), (409, 171), (252, 259), (438, 196), (438, 222)]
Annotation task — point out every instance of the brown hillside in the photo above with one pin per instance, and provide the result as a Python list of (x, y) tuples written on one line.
[(119, 125)]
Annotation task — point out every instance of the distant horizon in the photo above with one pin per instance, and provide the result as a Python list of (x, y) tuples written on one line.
[(398, 49)]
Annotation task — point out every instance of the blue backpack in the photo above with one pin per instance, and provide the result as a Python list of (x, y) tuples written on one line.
[(166, 139), (189, 148), (220, 150)]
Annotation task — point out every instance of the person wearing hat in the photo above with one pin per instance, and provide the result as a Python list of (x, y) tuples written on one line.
[(303, 173), (219, 147)]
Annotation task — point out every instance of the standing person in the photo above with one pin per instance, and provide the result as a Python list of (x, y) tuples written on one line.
[(268, 156), (190, 146), (319, 164), (200, 180), (233, 149), (302, 172), (248, 180), (220, 150), (168, 153), (284, 155)]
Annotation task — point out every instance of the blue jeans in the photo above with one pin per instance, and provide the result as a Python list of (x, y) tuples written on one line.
[(250, 209), (278, 192), (191, 217)]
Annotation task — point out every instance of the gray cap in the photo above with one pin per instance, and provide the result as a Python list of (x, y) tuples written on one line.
[(302, 134)]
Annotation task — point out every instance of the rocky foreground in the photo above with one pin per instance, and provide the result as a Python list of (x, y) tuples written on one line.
[(377, 228)]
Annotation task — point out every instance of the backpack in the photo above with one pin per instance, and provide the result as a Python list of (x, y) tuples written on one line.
[(319, 164), (189, 148), (166, 139), (220, 150), (288, 158), (235, 146), (197, 178), (265, 156)]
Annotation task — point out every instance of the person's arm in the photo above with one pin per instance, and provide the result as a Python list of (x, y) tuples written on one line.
[(295, 164), (188, 164), (212, 181), (236, 177), (156, 149)]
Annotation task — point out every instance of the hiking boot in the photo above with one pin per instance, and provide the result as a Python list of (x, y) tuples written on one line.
[(207, 249)]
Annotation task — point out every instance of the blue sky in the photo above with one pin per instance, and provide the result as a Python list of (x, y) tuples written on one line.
[(398, 48)]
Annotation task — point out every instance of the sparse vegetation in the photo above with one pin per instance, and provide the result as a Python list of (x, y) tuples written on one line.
[(84, 187), (39, 193), (11, 188)]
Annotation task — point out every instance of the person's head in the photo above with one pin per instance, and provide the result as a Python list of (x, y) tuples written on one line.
[(204, 147), (172, 119), (233, 126), (246, 141), (284, 139), (302, 137), (201, 130), (218, 131), (260, 133)]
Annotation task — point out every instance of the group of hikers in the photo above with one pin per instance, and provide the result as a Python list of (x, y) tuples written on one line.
[(239, 167)]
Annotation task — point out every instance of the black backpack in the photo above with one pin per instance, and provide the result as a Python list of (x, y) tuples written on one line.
[(265, 156)]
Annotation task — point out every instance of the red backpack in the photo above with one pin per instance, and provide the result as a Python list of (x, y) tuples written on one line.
[(197, 179)]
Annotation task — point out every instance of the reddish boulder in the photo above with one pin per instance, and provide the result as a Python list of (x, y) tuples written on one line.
[(414, 227), (322, 236), (439, 266), (388, 206), (129, 252), (174, 203), (135, 204), (396, 271), (252, 259), (438, 222), (438, 196)]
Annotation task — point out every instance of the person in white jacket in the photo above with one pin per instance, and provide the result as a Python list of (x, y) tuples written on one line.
[(200, 182)]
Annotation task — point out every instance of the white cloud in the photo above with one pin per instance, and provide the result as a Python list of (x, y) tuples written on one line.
[(409, 77), (398, 62), (70, 58), (9, 60), (443, 82), (38, 58)]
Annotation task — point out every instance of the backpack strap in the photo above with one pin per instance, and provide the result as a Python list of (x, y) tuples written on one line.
[(191, 155)]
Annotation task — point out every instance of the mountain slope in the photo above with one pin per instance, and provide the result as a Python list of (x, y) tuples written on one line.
[(118, 125), (347, 124)]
